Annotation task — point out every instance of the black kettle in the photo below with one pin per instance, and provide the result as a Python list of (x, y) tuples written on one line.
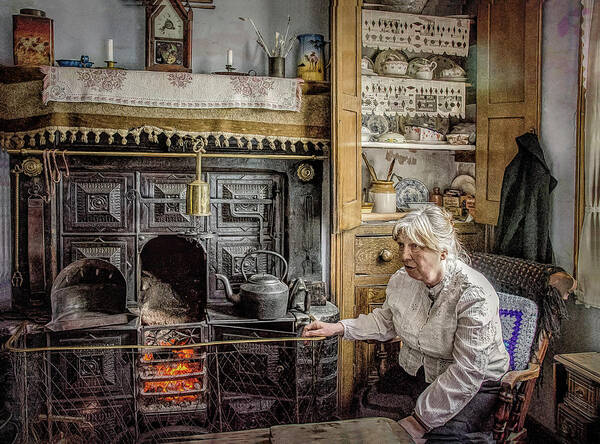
[(262, 296)]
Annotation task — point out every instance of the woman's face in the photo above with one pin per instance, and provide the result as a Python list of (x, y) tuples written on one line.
[(422, 263)]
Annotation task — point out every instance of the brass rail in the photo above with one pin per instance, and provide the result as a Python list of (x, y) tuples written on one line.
[(32, 152), (12, 348)]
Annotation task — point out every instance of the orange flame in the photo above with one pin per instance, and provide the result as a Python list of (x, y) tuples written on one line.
[(175, 369)]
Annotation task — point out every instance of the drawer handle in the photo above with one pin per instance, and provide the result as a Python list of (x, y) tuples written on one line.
[(386, 255)]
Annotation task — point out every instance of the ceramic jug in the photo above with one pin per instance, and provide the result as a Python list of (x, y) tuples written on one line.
[(421, 68), (310, 57)]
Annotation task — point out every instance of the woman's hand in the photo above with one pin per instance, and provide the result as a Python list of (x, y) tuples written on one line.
[(318, 328), (412, 426)]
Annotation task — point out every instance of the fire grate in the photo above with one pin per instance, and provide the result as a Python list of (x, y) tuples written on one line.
[(234, 384), (173, 380)]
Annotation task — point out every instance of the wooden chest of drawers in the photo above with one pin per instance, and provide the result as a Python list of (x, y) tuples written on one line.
[(577, 386), (574, 428)]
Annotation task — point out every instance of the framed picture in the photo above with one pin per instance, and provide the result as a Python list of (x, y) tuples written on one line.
[(33, 39)]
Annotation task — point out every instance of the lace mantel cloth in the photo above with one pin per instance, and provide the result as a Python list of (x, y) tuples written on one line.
[(169, 89), (415, 33), (398, 96), (25, 121)]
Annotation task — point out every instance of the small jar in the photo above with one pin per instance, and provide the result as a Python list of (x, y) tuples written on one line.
[(436, 196), (383, 194)]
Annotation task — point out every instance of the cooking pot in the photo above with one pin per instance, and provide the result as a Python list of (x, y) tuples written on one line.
[(262, 296)]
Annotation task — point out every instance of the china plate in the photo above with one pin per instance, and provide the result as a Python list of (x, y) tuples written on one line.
[(377, 124), (465, 183), (384, 56), (410, 190)]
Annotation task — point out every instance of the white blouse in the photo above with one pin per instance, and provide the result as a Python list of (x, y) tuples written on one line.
[(452, 329)]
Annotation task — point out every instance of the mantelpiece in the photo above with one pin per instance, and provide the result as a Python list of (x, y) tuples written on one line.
[(132, 164), (27, 123)]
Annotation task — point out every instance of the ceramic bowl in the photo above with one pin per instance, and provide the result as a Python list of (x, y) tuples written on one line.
[(74, 63), (457, 139), (366, 64), (421, 134), (455, 71), (421, 64), (424, 75), (395, 67), (391, 137)]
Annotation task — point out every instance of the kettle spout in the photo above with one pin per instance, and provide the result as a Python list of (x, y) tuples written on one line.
[(233, 297)]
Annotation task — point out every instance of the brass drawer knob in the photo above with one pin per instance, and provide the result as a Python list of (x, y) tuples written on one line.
[(386, 255)]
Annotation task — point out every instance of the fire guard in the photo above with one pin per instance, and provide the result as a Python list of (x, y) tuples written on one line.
[(173, 383)]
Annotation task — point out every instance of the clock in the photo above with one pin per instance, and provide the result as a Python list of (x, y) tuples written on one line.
[(168, 36)]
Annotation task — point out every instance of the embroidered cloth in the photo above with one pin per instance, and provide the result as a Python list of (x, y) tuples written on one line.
[(25, 122), (415, 33), (169, 89), (453, 330), (397, 96)]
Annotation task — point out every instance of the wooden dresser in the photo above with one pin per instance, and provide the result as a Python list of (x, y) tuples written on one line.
[(577, 390)]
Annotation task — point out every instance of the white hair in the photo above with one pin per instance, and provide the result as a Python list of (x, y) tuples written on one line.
[(431, 227)]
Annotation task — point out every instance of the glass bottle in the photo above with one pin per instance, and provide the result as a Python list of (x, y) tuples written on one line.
[(436, 196)]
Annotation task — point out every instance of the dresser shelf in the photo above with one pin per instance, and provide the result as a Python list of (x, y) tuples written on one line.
[(418, 146)]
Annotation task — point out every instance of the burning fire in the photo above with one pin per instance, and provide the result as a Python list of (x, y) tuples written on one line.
[(176, 370)]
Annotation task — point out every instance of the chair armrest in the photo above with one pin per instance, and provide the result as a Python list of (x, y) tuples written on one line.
[(510, 379)]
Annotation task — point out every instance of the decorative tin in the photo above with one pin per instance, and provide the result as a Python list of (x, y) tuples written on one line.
[(33, 38), (310, 58)]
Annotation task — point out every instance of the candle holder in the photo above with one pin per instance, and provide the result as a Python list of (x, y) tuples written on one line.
[(231, 71), (110, 64)]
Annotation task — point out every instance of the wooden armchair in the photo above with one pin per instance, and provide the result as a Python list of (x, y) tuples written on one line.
[(538, 291)]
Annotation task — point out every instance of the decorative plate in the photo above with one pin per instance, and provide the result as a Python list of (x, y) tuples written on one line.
[(377, 124), (384, 56), (465, 183), (410, 190)]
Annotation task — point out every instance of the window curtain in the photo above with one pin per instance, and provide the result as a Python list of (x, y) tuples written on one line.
[(588, 264), (5, 237)]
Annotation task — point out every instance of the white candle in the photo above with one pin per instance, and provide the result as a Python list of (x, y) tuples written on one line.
[(109, 51), (229, 57)]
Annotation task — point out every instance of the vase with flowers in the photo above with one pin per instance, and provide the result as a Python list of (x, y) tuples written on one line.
[(279, 51)]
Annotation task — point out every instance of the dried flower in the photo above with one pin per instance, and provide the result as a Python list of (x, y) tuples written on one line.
[(283, 45)]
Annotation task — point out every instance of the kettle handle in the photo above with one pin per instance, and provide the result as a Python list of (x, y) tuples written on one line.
[(285, 264)]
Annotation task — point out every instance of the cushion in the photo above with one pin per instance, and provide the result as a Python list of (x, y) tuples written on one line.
[(518, 316)]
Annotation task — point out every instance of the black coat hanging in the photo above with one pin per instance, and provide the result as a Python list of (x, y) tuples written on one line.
[(524, 222)]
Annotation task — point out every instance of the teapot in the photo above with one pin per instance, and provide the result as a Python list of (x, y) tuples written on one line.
[(421, 68), (262, 296)]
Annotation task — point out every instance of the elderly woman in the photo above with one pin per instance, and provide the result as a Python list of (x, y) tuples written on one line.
[(446, 314)]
